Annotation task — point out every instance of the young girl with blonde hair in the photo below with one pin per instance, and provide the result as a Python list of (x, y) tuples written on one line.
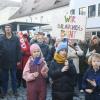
[(91, 79)]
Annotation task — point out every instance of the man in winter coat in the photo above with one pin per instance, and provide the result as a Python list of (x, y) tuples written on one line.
[(44, 47), (11, 46)]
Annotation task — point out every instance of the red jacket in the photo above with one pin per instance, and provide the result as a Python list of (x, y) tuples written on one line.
[(25, 55)]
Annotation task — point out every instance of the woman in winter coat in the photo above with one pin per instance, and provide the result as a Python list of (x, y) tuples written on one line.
[(34, 73), (94, 46), (62, 72), (74, 51), (91, 79)]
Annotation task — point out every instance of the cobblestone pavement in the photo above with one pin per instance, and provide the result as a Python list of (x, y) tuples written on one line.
[(22, 95)]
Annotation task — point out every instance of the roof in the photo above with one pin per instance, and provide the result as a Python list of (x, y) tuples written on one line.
[(30, 7), (23, 25), (8, 3)]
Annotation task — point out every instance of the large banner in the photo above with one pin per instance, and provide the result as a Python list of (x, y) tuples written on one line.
[(71, 27)]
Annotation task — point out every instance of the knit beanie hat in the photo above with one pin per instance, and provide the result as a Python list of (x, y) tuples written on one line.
[(34, 47), (62, 45)]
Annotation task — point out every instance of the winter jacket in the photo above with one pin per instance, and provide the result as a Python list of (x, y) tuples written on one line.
[(74, 55), (25, 55), (92, 75), (12, 53), (83, 65), (62, 81), (35, 86), (30, 68)]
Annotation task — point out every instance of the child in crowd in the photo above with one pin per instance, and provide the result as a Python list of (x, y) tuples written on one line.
[(91, 79), (34, 73), (62, 72)]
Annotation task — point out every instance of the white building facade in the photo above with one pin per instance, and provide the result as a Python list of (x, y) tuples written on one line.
[(43, 17), (91, 9)]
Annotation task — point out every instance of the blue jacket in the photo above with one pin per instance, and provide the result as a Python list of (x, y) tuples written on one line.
[(92, 75)]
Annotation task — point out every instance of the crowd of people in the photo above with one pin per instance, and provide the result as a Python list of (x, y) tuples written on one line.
[(44, 60)]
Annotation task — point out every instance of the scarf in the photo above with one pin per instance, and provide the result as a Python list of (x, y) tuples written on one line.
[(59, 58), (37, 61)]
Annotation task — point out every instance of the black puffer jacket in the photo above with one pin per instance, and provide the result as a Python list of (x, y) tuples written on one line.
[(62, 81), (12, 52)]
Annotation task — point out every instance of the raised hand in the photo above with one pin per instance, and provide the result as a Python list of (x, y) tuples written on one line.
[(66, 67)]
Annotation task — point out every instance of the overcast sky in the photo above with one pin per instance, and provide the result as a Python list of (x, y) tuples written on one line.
[(16, 0)]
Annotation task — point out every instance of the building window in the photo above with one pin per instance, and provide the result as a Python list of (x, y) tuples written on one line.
[(72, 12), (98, 34), (98, 9), (92, 11), (93, 33), (82, 11)]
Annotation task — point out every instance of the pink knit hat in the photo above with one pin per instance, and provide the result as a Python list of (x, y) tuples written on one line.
[(34, 47)]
